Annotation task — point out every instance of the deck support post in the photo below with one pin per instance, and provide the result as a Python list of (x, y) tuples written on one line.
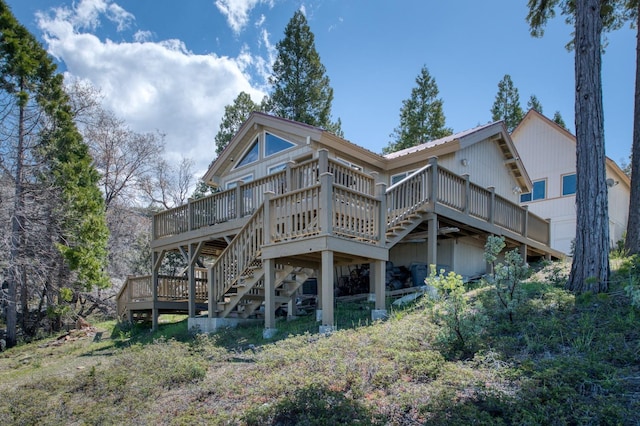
[(327, 292), (379, 274), (269, 295), (194, 252), (156, 261), (432, 240), (319, 303), (523, 252)]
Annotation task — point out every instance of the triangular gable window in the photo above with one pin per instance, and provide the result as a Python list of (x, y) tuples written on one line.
[(251, 155), (274, 144)]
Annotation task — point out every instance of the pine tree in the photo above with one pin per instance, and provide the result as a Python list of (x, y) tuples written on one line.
[(507, 104), (421, 116), (590, 265), (57, 208), (557, 118), (534, 103), (301, 89), (234, 116)]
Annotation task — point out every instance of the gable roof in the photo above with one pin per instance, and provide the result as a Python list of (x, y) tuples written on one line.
[(533, 114), (495, 131)]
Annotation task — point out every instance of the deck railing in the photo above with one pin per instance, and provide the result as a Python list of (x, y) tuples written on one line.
[(408, 196), (170, 288), (243, 200)]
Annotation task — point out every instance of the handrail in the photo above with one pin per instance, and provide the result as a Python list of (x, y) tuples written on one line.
[(408, 196), (241, 253)]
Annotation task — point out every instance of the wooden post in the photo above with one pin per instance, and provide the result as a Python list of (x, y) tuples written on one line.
[(492, 204), (212, 303), (327, 289), (189, 215), (432, 251), (323, 161), (381, 191), (549, 233), (239, 201), (269, 294), (156, 259), (320, 303), (467, 189), (525, 225), (194, 252), (288, 173), (326, 203), (379, 277), (433, 161), (267, 226)]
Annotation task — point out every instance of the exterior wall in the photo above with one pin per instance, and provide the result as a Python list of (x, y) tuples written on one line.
[(469, 257), (465, 256), (485, 166), (549, 153)]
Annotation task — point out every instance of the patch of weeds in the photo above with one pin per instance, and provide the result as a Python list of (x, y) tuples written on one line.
[(312, 405)]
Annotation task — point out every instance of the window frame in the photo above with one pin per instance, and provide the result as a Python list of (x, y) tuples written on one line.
[(264, 146), (531, 195), (575, 184), (255, 143)]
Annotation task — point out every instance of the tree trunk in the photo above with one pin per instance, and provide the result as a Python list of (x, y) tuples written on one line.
[(16, 278), (632, 241), (590, 267)]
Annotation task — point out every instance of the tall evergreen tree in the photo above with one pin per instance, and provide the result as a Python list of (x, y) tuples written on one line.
[(57, 211), (234, 115), (590, 265), (301, 89), (421, 116), (557, 118), (507, 104), (534, 103), (632, 240)]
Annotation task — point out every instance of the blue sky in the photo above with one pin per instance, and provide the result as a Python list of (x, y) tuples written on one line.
[(173, 66)]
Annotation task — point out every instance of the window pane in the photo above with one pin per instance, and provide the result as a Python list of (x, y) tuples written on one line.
[(276, 169), (250, 156), (397, 178), (274, 144), (569, 184), (539, 189), (525, 197)]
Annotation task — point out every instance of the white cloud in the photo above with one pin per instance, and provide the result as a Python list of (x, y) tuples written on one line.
[(152, 85), (237, 11)]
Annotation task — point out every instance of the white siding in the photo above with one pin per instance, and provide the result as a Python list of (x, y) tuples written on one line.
[(549, 153), (485, 166), (469, 257)]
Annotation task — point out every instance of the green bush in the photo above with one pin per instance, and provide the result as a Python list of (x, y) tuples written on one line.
[(462, 323)]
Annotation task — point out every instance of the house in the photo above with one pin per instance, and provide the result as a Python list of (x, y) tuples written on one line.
[(296, 202), (548, 152)]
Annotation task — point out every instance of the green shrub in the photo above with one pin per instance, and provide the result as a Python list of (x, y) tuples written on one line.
[(506, 276), (462, 322)]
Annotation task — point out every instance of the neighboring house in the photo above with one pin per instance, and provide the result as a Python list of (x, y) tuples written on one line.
[(548, 152), (296, 202)]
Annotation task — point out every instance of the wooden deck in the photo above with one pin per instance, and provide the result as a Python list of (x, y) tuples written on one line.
[(318, 200)]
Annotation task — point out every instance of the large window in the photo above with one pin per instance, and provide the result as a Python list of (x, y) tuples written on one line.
[(245, 179), (274, 144), (569, 184), (539, 192), (251, 155)]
